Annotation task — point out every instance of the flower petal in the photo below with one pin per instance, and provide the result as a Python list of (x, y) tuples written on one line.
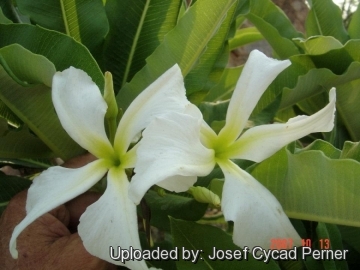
[(259, 143), (208, 135), (166, 94), (112, 221), (259, 71), (258, 216), (170, 155), (54, 187), (81, 110)]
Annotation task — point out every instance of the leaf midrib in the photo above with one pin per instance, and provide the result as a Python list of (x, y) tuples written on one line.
[(135, 42), (70, 31), (190, 243)]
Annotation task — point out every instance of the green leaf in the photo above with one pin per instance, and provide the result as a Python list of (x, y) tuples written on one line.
[(194, 237), (325, 19), (163, 245), (54, 46), (25, 162), (245, 36), (311, 186), (204, 74), (313, 85), (183, 45), (216, 186), (174, 205), (206, 180), (328, 149), (316, 45), (351, 236), (9, 187), (351, 150), (27, 102), (317, 81), (41, 71), (273, 24), (339, 60), (214, 111), (267, 106), (330, 234), (84, 20), (354, 26), (3, 126), (136, 29), (223, 90), (347, 97), (22, 144), (3, 18), (338, 68), (9, 10), (292, 265), (213, 77), (9, 116)]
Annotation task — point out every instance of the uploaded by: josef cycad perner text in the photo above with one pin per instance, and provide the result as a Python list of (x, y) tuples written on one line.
[(258, 253)]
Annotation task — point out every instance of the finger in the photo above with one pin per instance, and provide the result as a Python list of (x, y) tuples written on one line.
[(79, 161), (13, 214), (77, 207), (74, 256), (46, 243), (36, 239)]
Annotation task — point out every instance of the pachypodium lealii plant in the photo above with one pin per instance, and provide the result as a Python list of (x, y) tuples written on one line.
[(190, 154)]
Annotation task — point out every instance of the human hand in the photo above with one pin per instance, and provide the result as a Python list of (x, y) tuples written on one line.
[(48, 243)]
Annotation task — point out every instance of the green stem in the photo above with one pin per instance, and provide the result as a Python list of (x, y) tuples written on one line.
[(112, 129)]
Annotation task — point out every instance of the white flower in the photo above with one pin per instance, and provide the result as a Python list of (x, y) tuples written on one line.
[(178, 147), (112, 220)]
